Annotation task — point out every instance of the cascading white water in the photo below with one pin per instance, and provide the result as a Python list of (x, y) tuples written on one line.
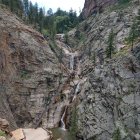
[(63, 126), (77, 88), (76, 91), (72, 62)]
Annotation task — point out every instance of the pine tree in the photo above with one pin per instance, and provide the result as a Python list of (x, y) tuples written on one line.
[(110, 47), (51, 26), (53, 31), (134, 32), (74, 125), (6, 2), (117, 134), (94, 58), (59, 22), (26, 8), (31, 10), (66, 38), (50, 12), (17, 7), (2, 1), (11, 5), (41, 19), (35, 13)]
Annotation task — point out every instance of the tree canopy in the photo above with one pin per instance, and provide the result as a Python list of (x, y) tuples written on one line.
[(44, 21)]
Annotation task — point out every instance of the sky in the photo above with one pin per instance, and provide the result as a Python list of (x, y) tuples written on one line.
[(63, 4)]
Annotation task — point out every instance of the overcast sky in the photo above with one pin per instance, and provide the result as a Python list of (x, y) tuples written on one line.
[(63, 4)]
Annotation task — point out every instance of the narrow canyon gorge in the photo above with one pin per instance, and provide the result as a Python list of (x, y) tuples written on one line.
[(69, 86)]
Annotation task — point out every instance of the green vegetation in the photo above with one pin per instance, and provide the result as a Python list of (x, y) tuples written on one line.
[(74, 123), (2, 133), (121, 5), (94, 58), (134, 31), (93, 138), (48, 23), (66, 38), (24, 74), (116, 134), (79, 35), (110, 47), (123, 1)]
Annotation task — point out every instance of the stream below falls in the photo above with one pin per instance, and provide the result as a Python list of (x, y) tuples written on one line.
[(62, 132)]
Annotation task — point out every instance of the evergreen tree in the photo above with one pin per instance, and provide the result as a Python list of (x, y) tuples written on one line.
[(60, 12), (31, 11), (123, 1), (41, 19), (53, 31), (133, 34), (94, 58), (18, 7), (73, 18), (117, 134), (6, 2), (62, 23), (12, 5), (35, 13), (74, 125), (66, 38), (59, 22), (50, 12), (110, 47), (26, 8), (135, 31), (2, 1)]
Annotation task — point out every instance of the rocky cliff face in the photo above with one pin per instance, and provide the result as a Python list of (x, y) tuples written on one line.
[(29, 71), (92, 7), (109, 100), (37, 90)]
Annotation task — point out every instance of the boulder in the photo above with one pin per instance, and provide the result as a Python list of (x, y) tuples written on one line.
[(12, 138), (2, 138), (37, 134), (32, 134), (4, 123), (18, 134)]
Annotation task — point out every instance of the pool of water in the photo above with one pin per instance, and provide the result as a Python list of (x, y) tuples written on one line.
[(60, 133)]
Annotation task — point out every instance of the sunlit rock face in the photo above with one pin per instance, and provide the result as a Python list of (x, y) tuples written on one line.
[(105, 92), (28, 71), (109, 99), (92, 7)]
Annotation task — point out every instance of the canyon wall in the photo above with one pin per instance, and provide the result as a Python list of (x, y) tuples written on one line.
[(92, 7), (36, 90), (29, 71), (109, 104)]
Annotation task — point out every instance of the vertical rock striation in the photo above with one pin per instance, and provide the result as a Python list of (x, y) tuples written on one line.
[(92, 7)]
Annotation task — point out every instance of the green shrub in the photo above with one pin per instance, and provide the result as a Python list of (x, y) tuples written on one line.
[(66, 38), (134, 31), (2, 133), (24, 74), (123, 1), (121, 5), (74, 123), (110, 48), (117, 134)]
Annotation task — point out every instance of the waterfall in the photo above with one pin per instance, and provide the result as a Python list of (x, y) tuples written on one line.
[(76, 91), (72, 62), (77, 88), (63, 125)]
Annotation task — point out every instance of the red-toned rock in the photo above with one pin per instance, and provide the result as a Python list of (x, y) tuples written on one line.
[(94, 6)]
